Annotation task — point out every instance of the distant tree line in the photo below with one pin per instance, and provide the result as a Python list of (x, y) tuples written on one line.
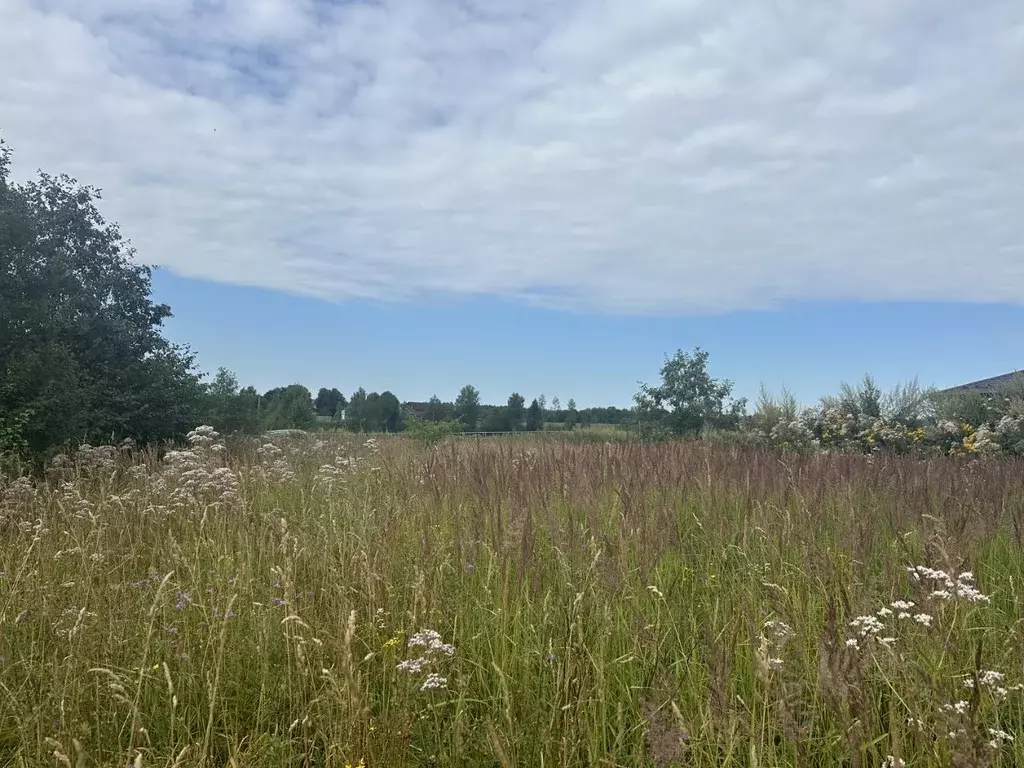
[(231, 408)]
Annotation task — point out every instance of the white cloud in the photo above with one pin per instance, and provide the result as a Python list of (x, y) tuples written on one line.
[(661, 155)]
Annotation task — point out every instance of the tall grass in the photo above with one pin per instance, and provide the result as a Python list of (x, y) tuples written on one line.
[(325, 602)]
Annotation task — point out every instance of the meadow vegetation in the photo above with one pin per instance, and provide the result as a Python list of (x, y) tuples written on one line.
[(333, 600), (686, 584)]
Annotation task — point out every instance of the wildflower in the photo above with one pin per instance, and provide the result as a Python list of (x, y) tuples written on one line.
[(893, 762), (434, 682), (919, 572), (434, 651), (431, 640), (888, 642), (780, 629), (883, 612), (959, 707), (999, 738), (852, 643), (654, 591), (924, 619), (964, 588), (867, 625), (413, 666), (72, 621), (961, 586), (989, 678)]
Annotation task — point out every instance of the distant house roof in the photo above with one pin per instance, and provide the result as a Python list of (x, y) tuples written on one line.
[(989, 386)]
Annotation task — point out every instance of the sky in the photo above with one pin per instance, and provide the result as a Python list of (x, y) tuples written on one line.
[(548, 195)]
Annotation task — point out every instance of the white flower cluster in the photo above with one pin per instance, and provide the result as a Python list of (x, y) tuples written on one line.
[(335, 472), (1010, 430), (998, 738), (72, 621), (867, 626), (194, 479), (989, 680), (796, 435), (204, 436), (197, 475), (98, 459), (274, 464), (434, 682), (870, 627), (774, 637), (959, 586), (432, 643), (432, 651), (960, 707), (992, 681), (16, 497)]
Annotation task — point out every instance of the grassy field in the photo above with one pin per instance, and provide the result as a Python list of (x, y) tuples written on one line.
[(335, 602)]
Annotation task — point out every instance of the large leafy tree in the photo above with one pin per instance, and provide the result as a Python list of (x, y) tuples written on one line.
[(572, 416), (229, 408), (390, 412), (534, 417), (494, 419), (467, 407), (515, 411), (82, 356), (435, 409), (288, 407), (356, 412), (329, 402), (689, 400)]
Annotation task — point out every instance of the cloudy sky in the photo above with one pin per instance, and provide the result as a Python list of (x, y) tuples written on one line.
[(567, 169)]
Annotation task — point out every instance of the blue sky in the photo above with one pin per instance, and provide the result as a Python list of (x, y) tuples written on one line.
[(548, 195), (271, 338)]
